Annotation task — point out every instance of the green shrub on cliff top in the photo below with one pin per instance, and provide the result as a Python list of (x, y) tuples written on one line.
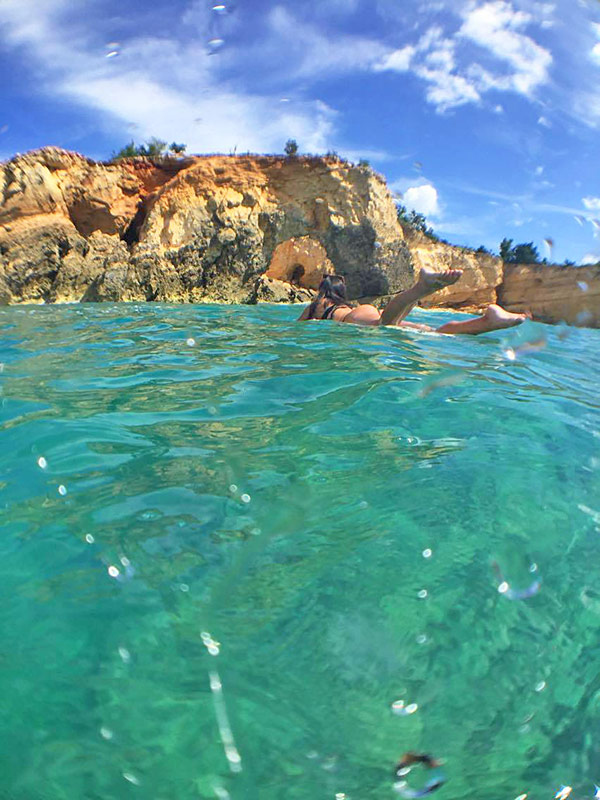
[(416, 221), (154, 148), (291, 148), (525, 253)]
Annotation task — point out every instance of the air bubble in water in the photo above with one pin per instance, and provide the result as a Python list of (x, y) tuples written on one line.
[(421, 639), (190, 342), (184, 587), (245, 498), (106, 733), (125, 655), (233, 488), (503, 588), (42, 463), (131, 778), (62, 490), (89, 538), (427, 553), (113, 571), (422, 594), (540, 686)]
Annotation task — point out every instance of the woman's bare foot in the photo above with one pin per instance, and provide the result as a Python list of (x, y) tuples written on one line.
[(431, 281), (498, 318)]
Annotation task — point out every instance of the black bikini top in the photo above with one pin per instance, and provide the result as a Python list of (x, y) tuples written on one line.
[(329, 311)]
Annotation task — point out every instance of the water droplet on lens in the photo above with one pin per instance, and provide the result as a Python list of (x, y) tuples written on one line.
[(563, 793), (427, 553), (113, 571), (62, 490), (42, 463), (404, 710), (583, 286)]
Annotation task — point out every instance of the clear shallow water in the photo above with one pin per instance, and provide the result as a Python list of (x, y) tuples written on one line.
[(275, 485)]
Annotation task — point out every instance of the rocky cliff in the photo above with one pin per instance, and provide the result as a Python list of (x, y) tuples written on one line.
[(231, 229), (239, 229), (552, 293), (483, 273)]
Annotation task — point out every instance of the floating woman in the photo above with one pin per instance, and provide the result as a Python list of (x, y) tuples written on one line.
[(332, 302)]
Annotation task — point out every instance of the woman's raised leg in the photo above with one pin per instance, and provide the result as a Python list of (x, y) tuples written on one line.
[(429, 282)]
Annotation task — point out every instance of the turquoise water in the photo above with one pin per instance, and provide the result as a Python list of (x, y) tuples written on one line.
[(268, 492)]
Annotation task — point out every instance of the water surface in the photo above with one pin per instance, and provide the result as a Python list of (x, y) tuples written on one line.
[(224, 471)]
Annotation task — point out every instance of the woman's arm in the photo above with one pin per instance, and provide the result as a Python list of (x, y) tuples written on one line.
[(304, 315)]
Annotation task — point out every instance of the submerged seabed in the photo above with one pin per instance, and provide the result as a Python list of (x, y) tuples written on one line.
[(179, 481)]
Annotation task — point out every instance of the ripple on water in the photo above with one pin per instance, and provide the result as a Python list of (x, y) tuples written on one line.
[(314, 510)]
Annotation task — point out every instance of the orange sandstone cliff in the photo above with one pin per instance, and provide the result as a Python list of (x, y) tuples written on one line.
[(229, 229), (240, 229)]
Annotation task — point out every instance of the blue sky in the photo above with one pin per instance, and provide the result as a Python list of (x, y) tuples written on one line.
[(484, 115)]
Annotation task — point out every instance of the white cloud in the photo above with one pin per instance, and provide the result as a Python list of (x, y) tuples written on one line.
[(308, 51), (595, 53), (496, 27), (590, 258), (448, 65), (423, 198), (591, 203), (397, 60), (447, 90), (158, 85)]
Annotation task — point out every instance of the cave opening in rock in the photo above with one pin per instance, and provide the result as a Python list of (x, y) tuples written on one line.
[(131, 234), (296, 274)]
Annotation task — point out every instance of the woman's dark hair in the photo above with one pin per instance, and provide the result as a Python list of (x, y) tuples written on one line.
[(332, 287)]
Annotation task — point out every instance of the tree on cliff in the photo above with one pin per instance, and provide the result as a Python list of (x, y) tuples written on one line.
[(154, 148), (291, 148), (525, 253), (415, 220)]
